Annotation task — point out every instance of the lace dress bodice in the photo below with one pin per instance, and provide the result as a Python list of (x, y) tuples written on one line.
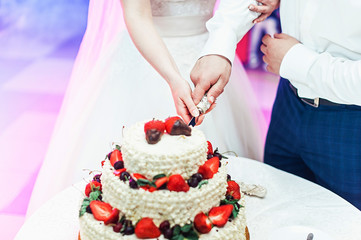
[(181, 17), (182, 7)]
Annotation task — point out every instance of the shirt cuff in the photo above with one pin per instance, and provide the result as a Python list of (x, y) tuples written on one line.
[(297, 63), (222, 41)]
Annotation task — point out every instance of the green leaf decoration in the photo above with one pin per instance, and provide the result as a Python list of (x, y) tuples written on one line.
[(83, 207), (177, 230), (186, 228), (203, 182), (159, 176), (118, 147), (144, 182), (235, 213), (191, 235), (177, 237), (95, 195)]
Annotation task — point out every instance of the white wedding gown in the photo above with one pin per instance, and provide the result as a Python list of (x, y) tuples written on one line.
[(113, 86)]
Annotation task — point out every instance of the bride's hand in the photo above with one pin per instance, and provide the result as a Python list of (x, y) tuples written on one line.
[(182, 96), (266, 9)]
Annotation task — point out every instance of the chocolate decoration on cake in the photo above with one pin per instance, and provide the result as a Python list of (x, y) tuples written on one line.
[(153, 136), (180, 128)]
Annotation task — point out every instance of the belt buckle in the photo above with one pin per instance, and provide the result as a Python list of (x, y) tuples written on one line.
[(315, 104)]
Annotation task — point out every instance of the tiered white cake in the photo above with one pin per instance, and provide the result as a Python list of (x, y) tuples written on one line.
[(177, 187)]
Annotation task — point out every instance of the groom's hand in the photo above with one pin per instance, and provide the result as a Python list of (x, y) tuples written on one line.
[(265, 9), (210, 74), (275, 49)]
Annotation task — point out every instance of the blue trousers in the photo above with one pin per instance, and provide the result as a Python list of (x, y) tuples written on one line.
[(320, 144)]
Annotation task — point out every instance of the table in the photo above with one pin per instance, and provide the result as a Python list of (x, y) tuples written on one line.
[(290, 201)]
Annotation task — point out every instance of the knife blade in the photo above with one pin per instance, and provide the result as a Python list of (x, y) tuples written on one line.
[(202, 106)]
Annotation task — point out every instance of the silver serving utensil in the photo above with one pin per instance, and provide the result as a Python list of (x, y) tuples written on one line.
[(310, 236)]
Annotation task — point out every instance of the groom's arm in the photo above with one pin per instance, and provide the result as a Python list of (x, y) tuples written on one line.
[(230, 23)]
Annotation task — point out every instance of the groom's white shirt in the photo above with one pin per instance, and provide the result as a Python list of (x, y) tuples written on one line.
[(328, 62), (226, 28)]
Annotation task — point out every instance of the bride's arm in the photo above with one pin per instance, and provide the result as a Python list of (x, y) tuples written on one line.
[(138, 19)]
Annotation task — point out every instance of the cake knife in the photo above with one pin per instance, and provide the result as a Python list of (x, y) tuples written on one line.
[(202, 106)]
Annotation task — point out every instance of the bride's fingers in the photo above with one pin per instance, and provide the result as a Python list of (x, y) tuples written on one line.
[(200, 119), (192, 108)]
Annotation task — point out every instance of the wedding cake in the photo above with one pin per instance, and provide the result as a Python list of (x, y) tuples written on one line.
[(164, 182)]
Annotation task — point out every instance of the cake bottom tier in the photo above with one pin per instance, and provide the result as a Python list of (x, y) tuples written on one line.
[(91, 229)]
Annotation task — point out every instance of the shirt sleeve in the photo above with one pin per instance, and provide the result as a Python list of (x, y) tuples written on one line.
[(333, 78), (230, 23)]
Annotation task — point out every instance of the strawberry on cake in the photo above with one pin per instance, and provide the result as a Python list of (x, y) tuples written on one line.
[(164, 182)]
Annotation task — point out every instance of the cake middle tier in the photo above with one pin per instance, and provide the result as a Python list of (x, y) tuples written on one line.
[(171, 155), (176, 207)]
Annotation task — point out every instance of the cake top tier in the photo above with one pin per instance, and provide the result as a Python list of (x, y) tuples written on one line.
[(173, 154)]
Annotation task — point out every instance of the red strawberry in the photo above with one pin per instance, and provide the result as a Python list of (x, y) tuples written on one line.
[(104, 212), (233, 190), (153, 131), (219, 215), (146, 228), (154, 124), (137, 176), (210, 148), (176, 126), (116, 156), (92, 186), (202, 223), (209, 168), (177, 183), (159, 182), (169, 122)]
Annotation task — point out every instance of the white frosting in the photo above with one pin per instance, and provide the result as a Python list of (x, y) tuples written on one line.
[(176, 207), (91, 229), (171, 155)]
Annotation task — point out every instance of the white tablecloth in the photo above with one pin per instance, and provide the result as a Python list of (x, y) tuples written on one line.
[(290, 201)]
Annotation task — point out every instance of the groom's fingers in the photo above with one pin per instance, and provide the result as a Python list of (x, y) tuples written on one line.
[(266, 39), (199, 91), (259, 9), (218, 88)]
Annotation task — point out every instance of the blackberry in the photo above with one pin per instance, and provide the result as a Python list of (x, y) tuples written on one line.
[(168, 233), (229, 177), (193, 182), (217, 154), (229, 197), (118, 165), (133, 184), (198, 176), (97, 178), (129, 230), (164, 226), (88, 209), (124, 176)]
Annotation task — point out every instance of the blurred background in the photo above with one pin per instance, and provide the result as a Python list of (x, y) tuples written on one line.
[(39, 40)]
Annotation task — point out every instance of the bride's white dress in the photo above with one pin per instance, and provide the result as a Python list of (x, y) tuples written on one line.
[(113, 86)]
